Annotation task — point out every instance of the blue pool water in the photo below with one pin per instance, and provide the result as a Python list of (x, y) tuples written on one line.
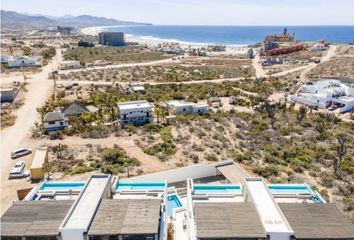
[(289, 189), (172, 203), (207, 188), (62, 186), (121, 185)]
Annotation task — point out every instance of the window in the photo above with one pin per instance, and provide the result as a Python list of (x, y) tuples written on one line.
[(51, 122), (61, 123)]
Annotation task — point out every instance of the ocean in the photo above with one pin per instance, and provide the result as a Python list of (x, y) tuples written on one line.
[(234, 35)]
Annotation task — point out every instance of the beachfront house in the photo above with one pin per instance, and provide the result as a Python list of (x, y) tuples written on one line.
[(135, 112), (326, 93), (319, 46), (181, 107), (54, 121)]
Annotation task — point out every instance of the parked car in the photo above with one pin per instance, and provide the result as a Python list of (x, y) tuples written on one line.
[(332, 108), (20, 152), (20, 164), (18, 173)]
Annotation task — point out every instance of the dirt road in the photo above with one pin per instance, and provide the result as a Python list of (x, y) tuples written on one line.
[(168, 60), (256, 64), (16, 136)]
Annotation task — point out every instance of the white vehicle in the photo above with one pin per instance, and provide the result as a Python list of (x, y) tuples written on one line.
[(20, 164), (18, 173), (20, 152)]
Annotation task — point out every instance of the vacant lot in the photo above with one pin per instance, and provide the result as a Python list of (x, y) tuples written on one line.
[(189, 70), (127, 54), (339, 67)]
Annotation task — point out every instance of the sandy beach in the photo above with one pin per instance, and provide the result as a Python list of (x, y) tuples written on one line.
[(152, 41)]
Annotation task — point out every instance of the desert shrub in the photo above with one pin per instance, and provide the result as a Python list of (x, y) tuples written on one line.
[(267, 171), (327, 179), (116, 156), (56, 135), (166, 134), (195, 158), (211, 157), (97, 132), (164, 148), (152, 128), (82, 168)]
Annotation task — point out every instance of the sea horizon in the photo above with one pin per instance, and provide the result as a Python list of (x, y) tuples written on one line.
[(232, 35)]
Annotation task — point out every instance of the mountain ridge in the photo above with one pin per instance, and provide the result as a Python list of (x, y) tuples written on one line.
[(15, 19)]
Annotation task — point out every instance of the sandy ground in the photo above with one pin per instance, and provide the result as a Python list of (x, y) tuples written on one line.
[(122, 65), (331, 52), (16, 136), (256, 64)]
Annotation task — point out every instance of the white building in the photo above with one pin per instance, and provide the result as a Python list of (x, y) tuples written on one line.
[(137, 87), (135, 112), (326, 93), (181, 107), (64, 65), (318, 47), (54, 121), (24, 61)]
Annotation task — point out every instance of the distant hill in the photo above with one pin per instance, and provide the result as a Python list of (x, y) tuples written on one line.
[(15, 19)]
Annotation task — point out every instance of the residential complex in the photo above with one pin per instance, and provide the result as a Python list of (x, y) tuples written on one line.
[(135, 112), (111, 38), (332, 94), (200, 202)]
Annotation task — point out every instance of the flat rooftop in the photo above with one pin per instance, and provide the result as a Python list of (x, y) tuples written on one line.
[(126, 216), (133, 105), (233, 173), (227, 220), (270, 214), (179, 103), (34, 218), (317, 221), (81, 215)]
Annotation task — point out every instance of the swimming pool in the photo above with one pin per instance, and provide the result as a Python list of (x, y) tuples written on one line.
[(61, 186), (136, 186), (290, 189), (172, 203), (222, 189)]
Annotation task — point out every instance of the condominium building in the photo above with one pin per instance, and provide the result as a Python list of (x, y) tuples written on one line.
[(111, 38), (332, 94), (200, 202)]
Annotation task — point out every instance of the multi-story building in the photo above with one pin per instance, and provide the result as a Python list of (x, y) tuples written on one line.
[(200, 202), (135, 112), (111, 38)]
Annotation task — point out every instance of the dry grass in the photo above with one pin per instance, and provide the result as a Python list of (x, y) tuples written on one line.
[(7, 119), (336, 68)]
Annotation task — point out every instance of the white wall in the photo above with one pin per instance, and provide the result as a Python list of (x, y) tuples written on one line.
[(182, 174)]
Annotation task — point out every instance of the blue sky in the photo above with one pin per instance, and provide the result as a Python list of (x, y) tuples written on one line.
[(199, 12)]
